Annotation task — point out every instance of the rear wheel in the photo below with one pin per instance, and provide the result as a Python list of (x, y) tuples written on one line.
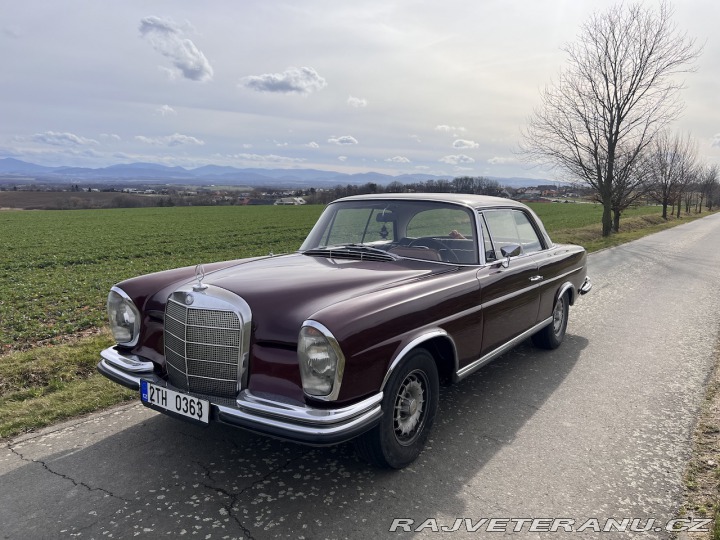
[(553, 334), (409, 405)]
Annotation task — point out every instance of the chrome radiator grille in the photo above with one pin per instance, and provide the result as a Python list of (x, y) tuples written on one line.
[(203, 349)]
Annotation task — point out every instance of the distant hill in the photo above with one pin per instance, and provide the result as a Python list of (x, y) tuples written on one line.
[(148, 173)]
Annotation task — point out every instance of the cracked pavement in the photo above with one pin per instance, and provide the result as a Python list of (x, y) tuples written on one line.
[(599, 428)]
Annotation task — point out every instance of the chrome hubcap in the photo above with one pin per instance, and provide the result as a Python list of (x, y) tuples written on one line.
[(410, 407)]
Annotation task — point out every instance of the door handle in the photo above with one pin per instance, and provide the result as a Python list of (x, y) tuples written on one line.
[(536, 278)]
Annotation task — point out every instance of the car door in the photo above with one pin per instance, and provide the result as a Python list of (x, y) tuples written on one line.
[(509, 292)]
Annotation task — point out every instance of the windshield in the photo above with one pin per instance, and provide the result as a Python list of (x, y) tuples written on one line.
[(410, 229)]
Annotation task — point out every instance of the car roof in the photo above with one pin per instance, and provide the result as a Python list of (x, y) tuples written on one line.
[(475, 201)]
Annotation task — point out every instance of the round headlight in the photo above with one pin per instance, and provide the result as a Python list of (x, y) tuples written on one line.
[(124, 318)]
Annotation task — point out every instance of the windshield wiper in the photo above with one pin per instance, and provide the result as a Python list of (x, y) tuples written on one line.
[(352, 251)]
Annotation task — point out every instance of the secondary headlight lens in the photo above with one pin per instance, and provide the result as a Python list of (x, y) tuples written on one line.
[(124, 318), (320, 362)]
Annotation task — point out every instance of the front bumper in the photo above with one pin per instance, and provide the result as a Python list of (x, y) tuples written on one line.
[(261, 414)]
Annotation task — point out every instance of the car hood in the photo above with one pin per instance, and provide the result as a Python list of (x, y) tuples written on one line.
[(284, 291)]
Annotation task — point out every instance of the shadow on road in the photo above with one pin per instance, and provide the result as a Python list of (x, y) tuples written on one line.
[(166, 476)]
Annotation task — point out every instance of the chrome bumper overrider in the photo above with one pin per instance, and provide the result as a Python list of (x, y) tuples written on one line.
[(586, 286), (298, 423)]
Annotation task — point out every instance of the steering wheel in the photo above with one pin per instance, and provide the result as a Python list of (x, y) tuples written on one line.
[(447, 254)]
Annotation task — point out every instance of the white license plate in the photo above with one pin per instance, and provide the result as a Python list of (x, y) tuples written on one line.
[(198, 409)]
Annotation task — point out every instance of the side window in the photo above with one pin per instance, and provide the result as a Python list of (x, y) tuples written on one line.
[(448, 231), (440, 222), (509, 227), (489, 250), (528, 237)]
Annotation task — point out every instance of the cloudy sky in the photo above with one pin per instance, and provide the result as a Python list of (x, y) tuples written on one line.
[(387, 86)]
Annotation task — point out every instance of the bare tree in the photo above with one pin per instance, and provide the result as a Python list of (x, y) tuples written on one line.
[(631, 183), (670, 161), (708, 186), (619, 89), (479, 185), (688, 175)]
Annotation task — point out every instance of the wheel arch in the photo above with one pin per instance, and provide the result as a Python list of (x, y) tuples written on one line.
[(566, 287), (440, 346)]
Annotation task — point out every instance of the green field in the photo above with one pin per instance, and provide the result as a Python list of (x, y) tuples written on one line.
[(56, 267)]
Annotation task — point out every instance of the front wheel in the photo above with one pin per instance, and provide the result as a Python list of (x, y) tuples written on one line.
[(409, 405)]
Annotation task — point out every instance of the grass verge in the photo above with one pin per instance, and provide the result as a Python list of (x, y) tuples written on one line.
[(631, 229), (54, 382), (702, 477)]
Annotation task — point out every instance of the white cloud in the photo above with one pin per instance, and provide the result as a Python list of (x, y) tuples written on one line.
[(357, 102), (457, 159), (110, 137), (499, 160), (398, 159), (345, 139), (312, 144), (165, 110), (342, 158), (450, 129), (464, 143), (61, 139), (168, 39), (422, 167), (293, 80), (176, 139), (715, 141), (416, 138)]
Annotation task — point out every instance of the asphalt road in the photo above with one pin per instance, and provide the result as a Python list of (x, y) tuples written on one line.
[(599, 428)]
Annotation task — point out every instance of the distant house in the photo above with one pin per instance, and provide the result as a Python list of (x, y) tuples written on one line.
[(290, 201)]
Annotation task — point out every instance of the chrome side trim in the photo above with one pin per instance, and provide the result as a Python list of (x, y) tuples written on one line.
[(480, 362), (414, 343), (127, 362), (339, 369)]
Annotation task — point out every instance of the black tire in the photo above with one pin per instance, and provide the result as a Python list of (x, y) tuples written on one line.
[(553, 334), (409, 405)]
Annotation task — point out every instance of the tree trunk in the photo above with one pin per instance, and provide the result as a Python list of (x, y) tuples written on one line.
[(616, 221), (664, 207), (607, 221)]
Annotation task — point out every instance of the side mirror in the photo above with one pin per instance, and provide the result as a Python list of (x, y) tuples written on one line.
[(511, 250)]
